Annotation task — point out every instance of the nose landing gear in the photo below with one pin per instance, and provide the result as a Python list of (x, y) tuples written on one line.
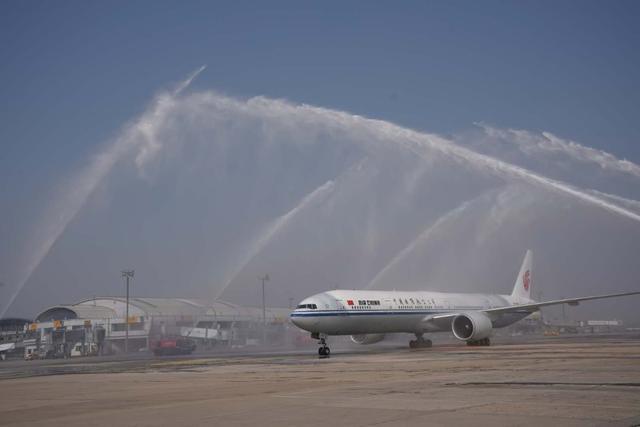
[(324, 351), (420, 342)]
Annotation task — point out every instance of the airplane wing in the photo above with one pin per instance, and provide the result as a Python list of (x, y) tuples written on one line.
[(530, 308), (442, 322)]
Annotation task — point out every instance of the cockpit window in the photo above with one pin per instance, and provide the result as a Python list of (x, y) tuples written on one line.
[(308, 306)]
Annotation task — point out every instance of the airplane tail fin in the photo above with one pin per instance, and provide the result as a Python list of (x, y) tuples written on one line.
[(524, 281)]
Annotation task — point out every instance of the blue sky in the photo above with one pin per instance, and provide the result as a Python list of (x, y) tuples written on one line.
[(73, 72)]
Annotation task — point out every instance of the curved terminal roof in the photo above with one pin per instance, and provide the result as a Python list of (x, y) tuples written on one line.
[(115, 307), (67, 312)]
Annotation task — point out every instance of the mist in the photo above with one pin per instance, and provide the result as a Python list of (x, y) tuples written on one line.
[(203, 192)]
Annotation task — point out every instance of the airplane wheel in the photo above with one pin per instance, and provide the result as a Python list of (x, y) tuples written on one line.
[(427, 344), (483, 342), (327, 351), (413, 344), (321, 351)]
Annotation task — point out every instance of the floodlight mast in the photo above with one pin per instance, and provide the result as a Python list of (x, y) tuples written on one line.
[(264, 278), (127, 274)]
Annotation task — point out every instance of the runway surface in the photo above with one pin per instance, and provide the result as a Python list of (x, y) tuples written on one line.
[(578, 382)]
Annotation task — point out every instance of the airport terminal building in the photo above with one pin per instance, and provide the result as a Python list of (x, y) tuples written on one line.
[(98, 325)]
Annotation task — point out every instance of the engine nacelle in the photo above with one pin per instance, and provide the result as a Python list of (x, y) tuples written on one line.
[(367, 338), (471, 326)]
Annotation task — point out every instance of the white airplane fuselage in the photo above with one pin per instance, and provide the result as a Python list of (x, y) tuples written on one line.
[(368, 315), (352, 312)]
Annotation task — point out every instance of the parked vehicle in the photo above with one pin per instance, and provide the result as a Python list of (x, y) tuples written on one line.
[(173, 346), (88, 349), (6, 348)]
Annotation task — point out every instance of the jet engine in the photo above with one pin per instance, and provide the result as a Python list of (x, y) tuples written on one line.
[(367, 338), (471, 326)]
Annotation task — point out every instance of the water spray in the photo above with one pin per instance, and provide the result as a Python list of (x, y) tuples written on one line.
[(145, 135)]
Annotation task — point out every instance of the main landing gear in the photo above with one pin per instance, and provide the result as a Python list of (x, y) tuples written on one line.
[(482, 342), (324, 351), (420, 342)]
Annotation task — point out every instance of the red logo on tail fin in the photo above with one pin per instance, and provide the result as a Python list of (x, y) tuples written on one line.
[(526, 279)]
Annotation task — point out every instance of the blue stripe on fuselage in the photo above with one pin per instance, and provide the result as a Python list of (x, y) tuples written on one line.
[(369, 313)]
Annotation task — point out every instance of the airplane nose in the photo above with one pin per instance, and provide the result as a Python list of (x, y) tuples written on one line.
[(304, 322), (295, 321)]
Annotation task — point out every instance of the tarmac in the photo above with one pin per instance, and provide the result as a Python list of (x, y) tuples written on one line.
[(582, 381)]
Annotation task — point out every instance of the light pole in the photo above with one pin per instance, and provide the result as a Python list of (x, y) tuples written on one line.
[(127, 274), (264, 278)]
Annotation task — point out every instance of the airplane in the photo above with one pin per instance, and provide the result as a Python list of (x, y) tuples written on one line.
[(368, 315)]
